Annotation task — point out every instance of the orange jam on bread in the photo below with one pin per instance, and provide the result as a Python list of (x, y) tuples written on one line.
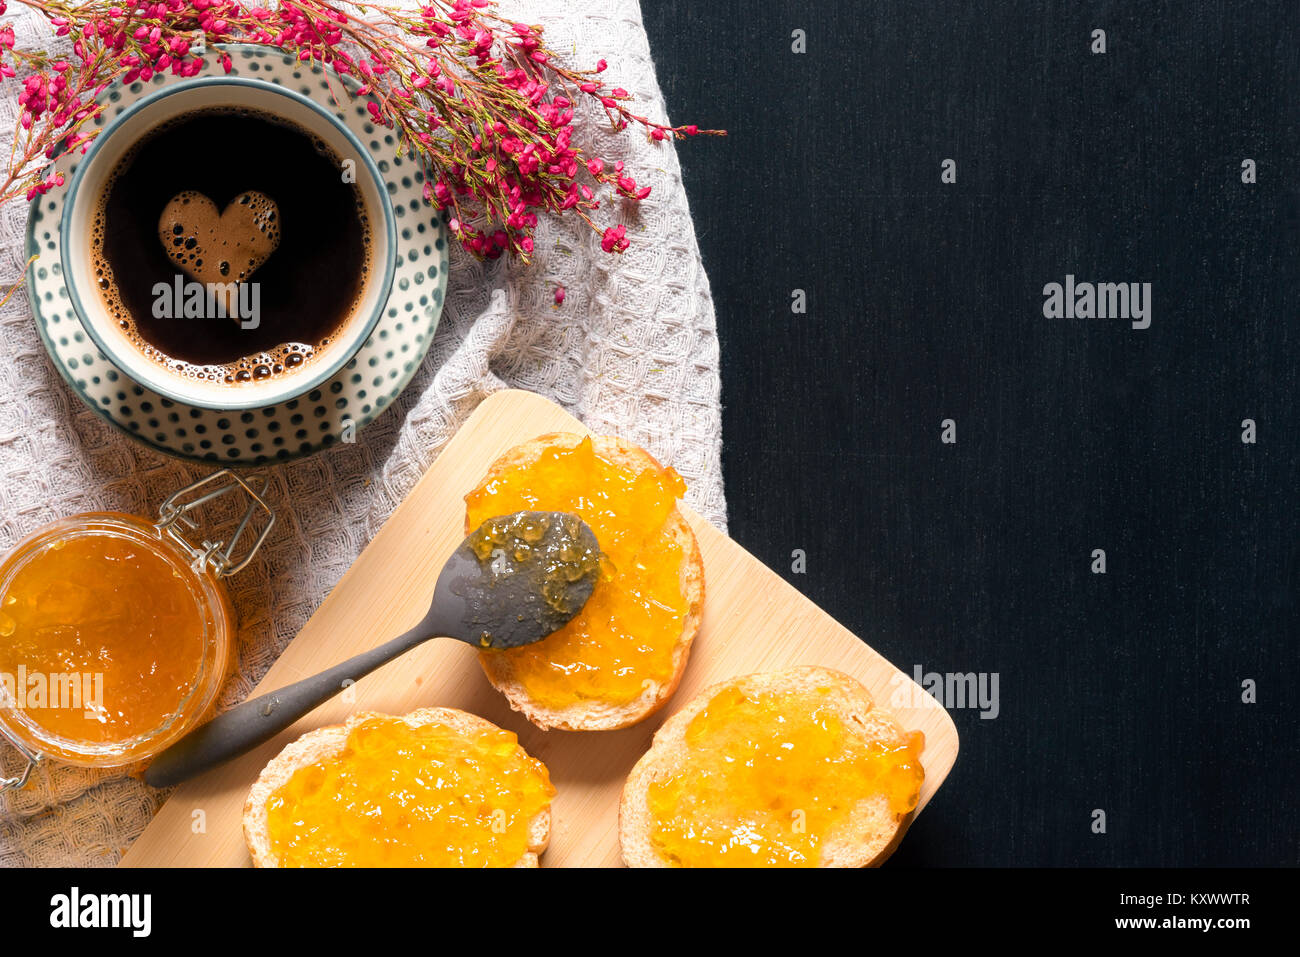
[(768, 777), (402, 796), (102, 636), (627, 632)]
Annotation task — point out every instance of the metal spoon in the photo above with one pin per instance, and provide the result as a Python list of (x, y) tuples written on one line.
[(513, 581)]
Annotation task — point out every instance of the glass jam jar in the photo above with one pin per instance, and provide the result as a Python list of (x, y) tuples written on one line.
[(116, 633)]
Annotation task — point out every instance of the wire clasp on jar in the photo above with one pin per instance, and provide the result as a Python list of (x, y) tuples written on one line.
[(30, 759), (176, 517)]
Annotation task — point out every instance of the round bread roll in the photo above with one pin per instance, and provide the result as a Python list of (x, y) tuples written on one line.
[(325, 742), (872, 830), (594, 714)]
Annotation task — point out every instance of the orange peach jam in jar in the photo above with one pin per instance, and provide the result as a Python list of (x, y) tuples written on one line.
[(627, 632), (109, 640), (398, 795), (770, 778), (116, 633)]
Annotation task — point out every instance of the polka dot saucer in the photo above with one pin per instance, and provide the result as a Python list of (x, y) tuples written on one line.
[(335, 409)]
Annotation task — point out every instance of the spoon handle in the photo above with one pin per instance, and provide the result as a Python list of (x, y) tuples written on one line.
[(259, 719)]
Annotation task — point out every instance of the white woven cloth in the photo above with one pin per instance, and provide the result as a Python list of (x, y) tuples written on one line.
[(632, 352)]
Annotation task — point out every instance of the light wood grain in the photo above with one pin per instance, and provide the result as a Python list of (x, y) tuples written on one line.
[(753, 621)]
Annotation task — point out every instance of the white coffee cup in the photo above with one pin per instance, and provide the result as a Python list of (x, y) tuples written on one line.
[(121, 133)]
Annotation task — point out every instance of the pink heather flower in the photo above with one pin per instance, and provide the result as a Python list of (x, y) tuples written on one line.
[(601, 66), (613, 240), (595, 166), (559, 295), (44, 186)]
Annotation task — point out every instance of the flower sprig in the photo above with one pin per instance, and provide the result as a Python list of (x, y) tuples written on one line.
[(479, 101)]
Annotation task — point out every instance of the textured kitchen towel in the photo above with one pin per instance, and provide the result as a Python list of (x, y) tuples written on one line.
[(632, 352)]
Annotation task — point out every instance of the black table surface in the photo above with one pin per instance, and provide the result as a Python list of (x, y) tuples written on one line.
[(1123, 692)]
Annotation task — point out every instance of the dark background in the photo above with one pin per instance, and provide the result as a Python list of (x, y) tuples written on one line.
[(1119, 691)]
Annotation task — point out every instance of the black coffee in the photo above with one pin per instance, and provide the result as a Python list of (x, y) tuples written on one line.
[(207, 163)]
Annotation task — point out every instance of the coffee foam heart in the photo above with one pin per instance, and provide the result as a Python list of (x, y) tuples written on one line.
[(236, 246), (284, 358)]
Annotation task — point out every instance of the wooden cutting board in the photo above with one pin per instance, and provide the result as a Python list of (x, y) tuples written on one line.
[(753, 621)]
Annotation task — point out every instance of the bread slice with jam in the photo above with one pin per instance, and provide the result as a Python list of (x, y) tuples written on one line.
[(791, 768), (623, 657), (437, 787)]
